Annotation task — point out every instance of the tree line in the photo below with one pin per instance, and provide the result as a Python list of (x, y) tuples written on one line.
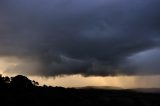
[(18, 81)]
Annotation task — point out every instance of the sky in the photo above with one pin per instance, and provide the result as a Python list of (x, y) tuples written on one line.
[(83, 39)]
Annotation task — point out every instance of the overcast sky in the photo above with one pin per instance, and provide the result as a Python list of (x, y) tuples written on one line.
[(88, 37)]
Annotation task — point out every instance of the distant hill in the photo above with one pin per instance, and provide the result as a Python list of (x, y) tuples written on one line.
[(147, 90), (143, 90), (100, 87)]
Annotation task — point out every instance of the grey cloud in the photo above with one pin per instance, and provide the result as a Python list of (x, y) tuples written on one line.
[(146, 62), (78, 37)]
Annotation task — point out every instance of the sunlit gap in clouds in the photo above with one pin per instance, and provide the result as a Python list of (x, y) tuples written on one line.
[(80, 81), (116, 81)]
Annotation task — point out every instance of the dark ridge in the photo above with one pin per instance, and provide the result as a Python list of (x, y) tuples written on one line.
[(21, 91)]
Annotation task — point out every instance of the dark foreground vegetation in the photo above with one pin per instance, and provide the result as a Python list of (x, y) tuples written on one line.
[(20, 91)]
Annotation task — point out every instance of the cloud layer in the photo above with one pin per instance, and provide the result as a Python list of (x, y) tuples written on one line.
[(88, 37)]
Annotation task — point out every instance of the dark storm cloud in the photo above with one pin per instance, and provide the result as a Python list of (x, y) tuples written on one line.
[(97, 37)]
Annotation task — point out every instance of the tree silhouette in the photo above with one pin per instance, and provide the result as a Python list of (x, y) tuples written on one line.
[(4, 81), (35, 83), (21, 81)]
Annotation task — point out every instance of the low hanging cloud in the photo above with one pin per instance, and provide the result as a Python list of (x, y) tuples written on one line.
[(88, 37)]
